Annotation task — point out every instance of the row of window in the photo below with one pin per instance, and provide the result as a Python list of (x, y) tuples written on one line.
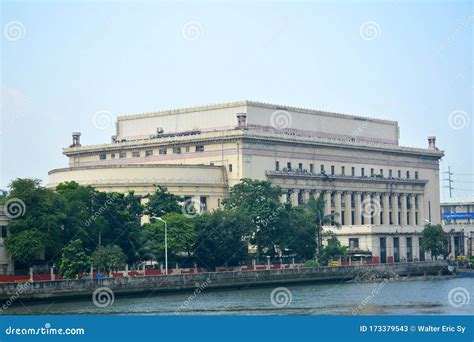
[(149, 153), (289, 168)]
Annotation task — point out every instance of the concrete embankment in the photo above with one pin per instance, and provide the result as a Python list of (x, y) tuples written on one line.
[(174, 283)]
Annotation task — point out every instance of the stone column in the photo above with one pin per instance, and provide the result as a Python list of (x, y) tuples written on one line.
[(357, 209), (316, 194), (386, 209), (337, 207), (306, 195), (403, 213), (327, 203), (294, 198), (284, 197), (366, 208), (377, 207), (421, 209), (412, 210), (348, 211), (395, 209)]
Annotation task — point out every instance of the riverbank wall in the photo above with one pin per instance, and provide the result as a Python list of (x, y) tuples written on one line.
[(240, 279)]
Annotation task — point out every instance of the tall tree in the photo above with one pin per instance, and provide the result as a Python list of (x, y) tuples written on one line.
[(26, 246), (74, 260), (333, 249), (163, 202), (108, 258), (434, 239)]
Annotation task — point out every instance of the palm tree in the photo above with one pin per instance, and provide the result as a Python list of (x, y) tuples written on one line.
[(316, 208)]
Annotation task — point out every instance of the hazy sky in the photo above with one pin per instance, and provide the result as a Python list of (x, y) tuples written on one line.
[(62, 62)]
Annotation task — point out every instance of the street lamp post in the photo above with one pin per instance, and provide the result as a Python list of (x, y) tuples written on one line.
[(166, 242)]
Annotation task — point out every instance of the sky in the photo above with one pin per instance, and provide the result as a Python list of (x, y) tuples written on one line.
[(63, 62)]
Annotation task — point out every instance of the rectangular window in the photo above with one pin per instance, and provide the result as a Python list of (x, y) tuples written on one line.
[(343, 170), (3, 230), (353, 171), (188, 149), (200, 148), (390, 173), (102, 156), (372, 172), (381, 172), (203, 202), (416, 174), (230, 167), (332, 170), (122, 155), (135, 154), (362, 172), (396, 249), (409, 249), (322, 168), (300, 166), (353, 243), (177, 150), (399, 174), (288, 166), (277, 166), (112, 156), (408, 174), (311, 168), (148, 153), (162, 151)]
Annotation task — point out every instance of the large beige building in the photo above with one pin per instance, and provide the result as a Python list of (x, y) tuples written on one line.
[(381, 193)]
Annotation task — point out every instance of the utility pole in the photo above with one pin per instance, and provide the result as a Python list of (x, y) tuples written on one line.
[(450, 182)]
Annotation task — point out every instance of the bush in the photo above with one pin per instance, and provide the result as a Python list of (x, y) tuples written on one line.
[(311, 263)]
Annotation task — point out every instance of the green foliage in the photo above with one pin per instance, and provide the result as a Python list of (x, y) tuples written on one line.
[(74, 260), (25, 246), (333, 250), (311, 263), (163, 202), (181, 237), (108, 258), (221, 238), (434, 239)]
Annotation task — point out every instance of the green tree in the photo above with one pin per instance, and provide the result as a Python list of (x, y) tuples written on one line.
[(180, 232), (74, 260), (25, 246), (221, 238), (333, 250), (434, 239), (258, 200), (108, 258), (163, 202)]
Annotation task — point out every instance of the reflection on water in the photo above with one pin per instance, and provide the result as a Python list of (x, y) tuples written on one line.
[(406, 297)]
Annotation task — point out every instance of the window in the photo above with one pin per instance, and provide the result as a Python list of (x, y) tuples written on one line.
[(288, 166), (408, 174), (332, 169), (200, 148), (230, 167), (371, 172), (343, 170), (122, 155), (112, 156), (362, 171), (188, 149), (177, 150), (3, 231), (399, 174), (102, 156), (162, 151), (322, 168), (311, 168), (353, 243), (409, 249), (416, 174), (135, 154), (148, 153), (277, 166), (353, 171), (203, 203), (390, 173), (300, 166), (381, 172)]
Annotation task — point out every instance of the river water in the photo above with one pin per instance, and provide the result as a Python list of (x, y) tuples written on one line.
[(414, 296)]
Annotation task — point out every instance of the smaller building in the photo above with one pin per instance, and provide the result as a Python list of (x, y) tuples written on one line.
[(6, 262)]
